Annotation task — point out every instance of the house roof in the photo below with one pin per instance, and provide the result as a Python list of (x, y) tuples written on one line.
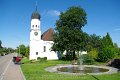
[(48, 35)]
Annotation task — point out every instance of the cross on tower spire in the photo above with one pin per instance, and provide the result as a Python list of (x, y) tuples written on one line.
[(36, 6)]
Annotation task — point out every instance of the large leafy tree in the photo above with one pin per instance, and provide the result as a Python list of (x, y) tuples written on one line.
[(69, 35), (74, 17), (95, 42)]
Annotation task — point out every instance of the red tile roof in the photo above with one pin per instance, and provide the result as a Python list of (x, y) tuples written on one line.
[(48, 35)]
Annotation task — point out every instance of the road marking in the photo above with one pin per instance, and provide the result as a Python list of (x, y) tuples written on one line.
[(2, 75)]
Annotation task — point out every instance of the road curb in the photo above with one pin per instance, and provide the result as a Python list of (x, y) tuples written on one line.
[(22, 73)]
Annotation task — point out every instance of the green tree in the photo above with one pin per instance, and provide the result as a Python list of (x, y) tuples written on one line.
[(74, 17), (117, 50), (22, 49), (95, 42), (94, 46), (69, 35), (107, 40), (1, 51), (10, 50), (27, 51), (0, 44), (5, 50), (93, 53), (106, 54), (108, 50)]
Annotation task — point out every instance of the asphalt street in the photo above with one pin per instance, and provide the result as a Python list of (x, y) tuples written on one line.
[(9, 70)]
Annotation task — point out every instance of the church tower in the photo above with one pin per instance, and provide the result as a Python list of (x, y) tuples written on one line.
[(40, 47), (35, 34)]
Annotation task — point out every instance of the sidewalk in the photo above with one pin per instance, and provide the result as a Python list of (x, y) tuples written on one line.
[(13, 72)]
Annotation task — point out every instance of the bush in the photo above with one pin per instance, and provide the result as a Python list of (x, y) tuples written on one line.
[(33, 60), (38, 58), (93, 53), (2, 54), (42, 59)]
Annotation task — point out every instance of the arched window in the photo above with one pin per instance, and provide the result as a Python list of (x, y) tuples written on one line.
[(33, 26), (36, 26), (44, 48), (36, 53)]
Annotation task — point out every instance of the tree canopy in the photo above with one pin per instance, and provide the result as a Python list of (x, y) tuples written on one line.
[(107, 40), (74, 17), (23, 50), (69, 35)]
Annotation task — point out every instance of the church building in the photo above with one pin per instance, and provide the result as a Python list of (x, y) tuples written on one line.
[(40, 44)]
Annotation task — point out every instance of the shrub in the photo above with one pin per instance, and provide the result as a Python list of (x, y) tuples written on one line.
[(2, 54), (33, 61), (41, 59), (93, 53), (38, 58)]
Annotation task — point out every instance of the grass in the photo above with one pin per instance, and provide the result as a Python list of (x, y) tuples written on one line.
[(36, 71)]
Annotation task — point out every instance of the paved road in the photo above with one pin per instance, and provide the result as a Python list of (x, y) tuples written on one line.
[(9, 70)]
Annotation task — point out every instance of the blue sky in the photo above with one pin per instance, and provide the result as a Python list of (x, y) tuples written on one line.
[(15, 15)]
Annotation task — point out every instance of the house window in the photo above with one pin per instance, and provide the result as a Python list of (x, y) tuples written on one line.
[(44, 49), (36, 53)]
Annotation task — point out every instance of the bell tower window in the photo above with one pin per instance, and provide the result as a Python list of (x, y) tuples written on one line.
[(33, 26), (36, 26)]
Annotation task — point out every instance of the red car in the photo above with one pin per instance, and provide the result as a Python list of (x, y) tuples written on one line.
[(17, 59)]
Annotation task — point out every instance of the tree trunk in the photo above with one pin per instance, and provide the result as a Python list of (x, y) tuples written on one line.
[(74, 55)]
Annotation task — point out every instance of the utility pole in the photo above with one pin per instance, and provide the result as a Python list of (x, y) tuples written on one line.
[(19, 51)]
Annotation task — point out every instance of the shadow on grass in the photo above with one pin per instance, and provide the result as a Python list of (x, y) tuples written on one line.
[(95, 77)]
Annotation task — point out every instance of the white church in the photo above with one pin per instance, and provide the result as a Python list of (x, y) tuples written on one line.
[(40, 44)]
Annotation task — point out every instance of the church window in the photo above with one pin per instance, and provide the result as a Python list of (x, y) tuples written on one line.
[(33, 26), (36, 26), (36, 53), (44, 48)]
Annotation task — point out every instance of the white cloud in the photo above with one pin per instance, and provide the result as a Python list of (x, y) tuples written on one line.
[(117, 29), (53, 13)]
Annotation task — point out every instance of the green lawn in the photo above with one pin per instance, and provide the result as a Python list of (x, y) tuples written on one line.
[(36, 71)]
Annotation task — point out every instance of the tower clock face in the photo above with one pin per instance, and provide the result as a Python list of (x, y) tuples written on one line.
[(35, 33)]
